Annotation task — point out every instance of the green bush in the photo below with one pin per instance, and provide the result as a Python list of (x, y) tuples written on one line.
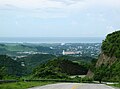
[(87, 80)]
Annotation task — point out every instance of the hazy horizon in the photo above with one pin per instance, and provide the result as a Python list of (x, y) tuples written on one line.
[(51, 39)]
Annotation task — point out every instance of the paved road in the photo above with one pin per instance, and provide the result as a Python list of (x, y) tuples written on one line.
[(74, 86)]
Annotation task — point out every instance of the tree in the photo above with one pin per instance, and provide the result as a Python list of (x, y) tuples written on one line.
[(2, 72), (100, 73)]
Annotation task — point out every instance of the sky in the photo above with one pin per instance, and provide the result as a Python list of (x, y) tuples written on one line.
[(59, 18)]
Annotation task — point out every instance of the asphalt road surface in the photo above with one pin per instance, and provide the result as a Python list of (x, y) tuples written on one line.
[(74, 86)]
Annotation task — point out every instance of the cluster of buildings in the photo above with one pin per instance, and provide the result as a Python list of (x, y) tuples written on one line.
[(91, 50)]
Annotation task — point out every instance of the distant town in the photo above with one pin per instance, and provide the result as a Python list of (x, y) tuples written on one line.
[(75, 49)]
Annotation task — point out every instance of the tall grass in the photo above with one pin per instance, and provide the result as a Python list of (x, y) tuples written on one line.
[(115, 85), (22, 85)]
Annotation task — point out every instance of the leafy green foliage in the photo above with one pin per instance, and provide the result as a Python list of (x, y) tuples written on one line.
[(92, 64), (32, 61), (10, 67), (108, 73), (2, 72), (87, 80), (77, 58), (111, 45), (111, 48), (115, 85), (22, 85), (100, 73), (59, 68)]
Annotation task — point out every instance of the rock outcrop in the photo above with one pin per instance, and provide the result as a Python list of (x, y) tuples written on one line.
[(107, 67), (104, 59)]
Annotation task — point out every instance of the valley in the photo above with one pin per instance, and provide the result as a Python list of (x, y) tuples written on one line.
[(62, 62)]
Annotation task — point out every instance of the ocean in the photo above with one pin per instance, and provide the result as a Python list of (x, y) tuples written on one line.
[(51, 39)]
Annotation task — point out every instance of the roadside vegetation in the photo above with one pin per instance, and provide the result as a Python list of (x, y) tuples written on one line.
[(22, 85), (109, 70), (114, 85)]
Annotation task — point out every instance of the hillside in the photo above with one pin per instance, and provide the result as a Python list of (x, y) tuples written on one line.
[(86, 59), (59, 68), (16, 47), (108, 64), (10, 67), (20, 49), (32, 61), (111, 45)]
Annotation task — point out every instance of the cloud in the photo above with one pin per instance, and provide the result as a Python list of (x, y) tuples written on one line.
[(68, 2), (57, 8), (61, 4), (32, 4)]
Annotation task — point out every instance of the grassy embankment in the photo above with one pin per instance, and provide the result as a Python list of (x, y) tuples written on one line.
[(22, 85), (115, 85)]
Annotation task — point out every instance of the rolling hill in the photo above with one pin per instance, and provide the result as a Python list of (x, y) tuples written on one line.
[(59, 68), (10, 67)]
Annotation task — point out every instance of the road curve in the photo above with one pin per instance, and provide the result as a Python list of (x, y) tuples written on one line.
[(94, 86), (74, 86)]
